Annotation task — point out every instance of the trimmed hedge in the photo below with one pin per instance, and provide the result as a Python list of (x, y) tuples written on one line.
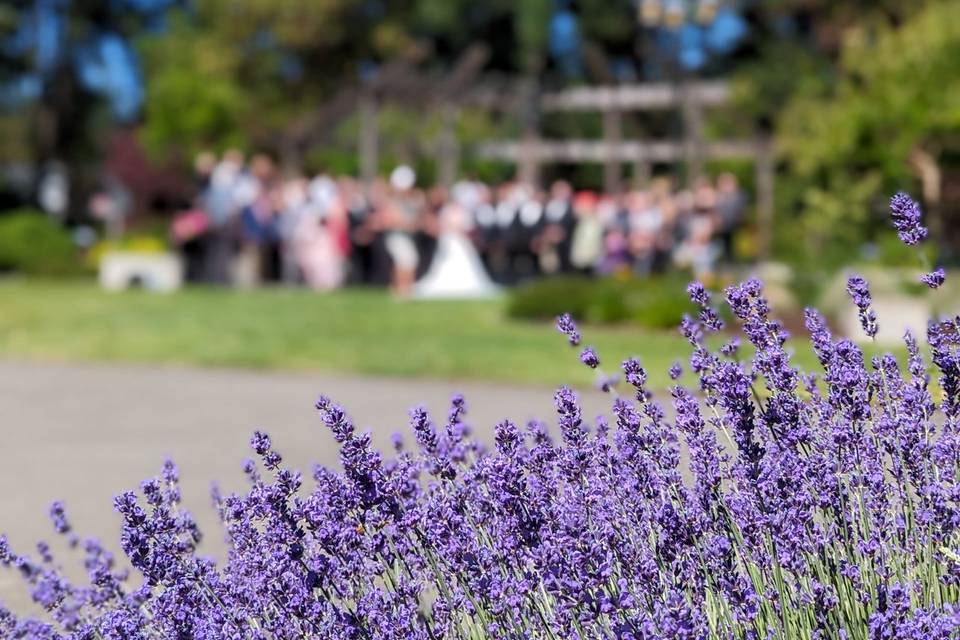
[(651, 302)]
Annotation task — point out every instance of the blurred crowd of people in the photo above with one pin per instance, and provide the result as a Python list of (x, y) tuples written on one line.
[(252, 225)]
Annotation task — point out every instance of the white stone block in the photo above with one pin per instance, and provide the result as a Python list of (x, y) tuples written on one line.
[(160, 272)]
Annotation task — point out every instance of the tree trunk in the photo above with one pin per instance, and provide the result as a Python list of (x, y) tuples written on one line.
[(925, 165)]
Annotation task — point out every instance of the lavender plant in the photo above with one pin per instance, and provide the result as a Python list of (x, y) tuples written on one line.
[(771, 503)]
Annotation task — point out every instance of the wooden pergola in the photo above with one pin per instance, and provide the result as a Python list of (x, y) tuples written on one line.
[(400, 81), (613, 151)]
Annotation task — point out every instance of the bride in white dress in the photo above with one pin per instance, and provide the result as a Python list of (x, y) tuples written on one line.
[(456, 270)]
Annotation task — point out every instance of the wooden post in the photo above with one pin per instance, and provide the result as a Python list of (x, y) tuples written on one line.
[(642, 172), (369, 139), (612, 135), (765, 198), (689, 96), (692, 133), (448, 154), (528, 163)]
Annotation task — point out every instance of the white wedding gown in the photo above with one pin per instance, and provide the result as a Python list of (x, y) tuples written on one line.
[(455, 272)]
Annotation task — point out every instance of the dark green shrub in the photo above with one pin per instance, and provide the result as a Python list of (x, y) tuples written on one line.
[(548, 298), (651, 302), (31, 243), (660, 311), (609, 302)]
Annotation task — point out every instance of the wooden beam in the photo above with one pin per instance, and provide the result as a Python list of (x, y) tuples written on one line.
[(369, 143), (642, 172), (692, 111), (495, 93), (627, 151), (528, 157), (448, 152), (765, 197), (464, 73), (613, 135), (636, 97)]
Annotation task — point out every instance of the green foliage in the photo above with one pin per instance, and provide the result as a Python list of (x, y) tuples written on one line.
[(895, 92), (255, 73), (236, 73), (849, 137), (655, 308), (530, 27), (331, 159), (72, 114), (194, 101), (890, 252), (657, 303), (762, 86), (612, 22), (31, 243), (410, 136), (548, 298), (836, 213), (14, 138)]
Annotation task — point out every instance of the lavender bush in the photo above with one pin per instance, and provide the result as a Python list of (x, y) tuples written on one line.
[(772, 503)]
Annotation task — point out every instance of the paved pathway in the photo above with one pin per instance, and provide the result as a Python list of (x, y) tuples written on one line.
[(83, 432)]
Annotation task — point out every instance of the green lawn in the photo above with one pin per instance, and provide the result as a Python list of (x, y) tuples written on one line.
[(349, 331)]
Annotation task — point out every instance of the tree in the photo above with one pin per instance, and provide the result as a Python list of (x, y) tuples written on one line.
[(195, 98), (888, 118), (63, 62), (239, 73)]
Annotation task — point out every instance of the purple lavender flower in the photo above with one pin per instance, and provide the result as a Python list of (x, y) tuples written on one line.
[(773, 503), (935, 278), (260, 443), (731, 347), (820, 337), (335, 418), (59, 517), (698, 294), (571, 419), (906, 216), (590, 358), (508, 438), (458, 407), (860, 294), (675, 371), (423, 430), (634, 372), (567, 327), (709, 317)]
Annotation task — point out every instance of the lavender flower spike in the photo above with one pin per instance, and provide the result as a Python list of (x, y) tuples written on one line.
[(860, 294), (567, 327), (906, 216), (59, 518), (709, 317), (935, 278), (698, 294), (590, 358)]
